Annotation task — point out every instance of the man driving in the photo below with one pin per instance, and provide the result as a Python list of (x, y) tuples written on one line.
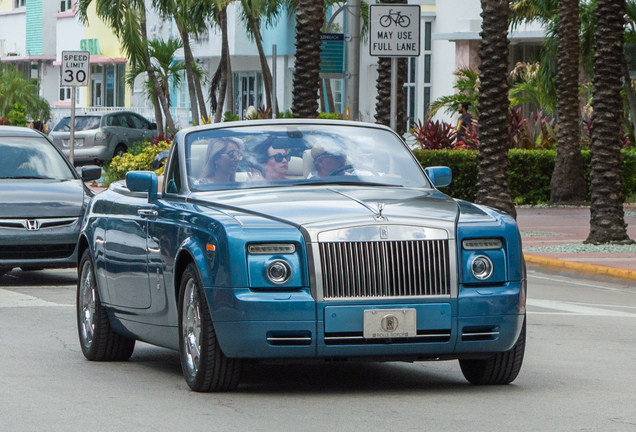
[(330, 159)]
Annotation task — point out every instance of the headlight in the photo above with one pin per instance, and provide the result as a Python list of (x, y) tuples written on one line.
[(482, 267), (271, 249), (481, 244), (278, 272)]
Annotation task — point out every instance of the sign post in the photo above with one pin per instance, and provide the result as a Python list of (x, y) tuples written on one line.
[(394, 32), (74, 73)]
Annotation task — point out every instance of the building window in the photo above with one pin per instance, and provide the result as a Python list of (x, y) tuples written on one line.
[(65, 93), (410, 91), (19, 4), (248, 91), (428, 58), (338, 90), (66, 5)]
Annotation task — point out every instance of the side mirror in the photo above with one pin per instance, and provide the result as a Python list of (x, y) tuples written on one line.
[(153, 126), (91, 172), (143, 181), (440, 176)]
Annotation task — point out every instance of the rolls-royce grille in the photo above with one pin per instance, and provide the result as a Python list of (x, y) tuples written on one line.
[(385, 269), (28, 252)]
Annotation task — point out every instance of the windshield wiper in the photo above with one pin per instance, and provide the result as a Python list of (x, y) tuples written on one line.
[(346, 183), (28, 177)]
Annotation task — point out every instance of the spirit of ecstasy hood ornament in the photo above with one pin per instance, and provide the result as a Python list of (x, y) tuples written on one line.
[(379, 216)]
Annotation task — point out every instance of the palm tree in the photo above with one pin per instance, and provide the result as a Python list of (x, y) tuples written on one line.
[(310, 18), (251, 13), (492, 185), (190, 16), (383, 85), (222, 78), (567, 184), (127, 20), (607, 222), (15, 89), (168, 70)]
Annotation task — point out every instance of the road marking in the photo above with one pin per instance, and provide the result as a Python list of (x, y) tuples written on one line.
[(581, 284), (13, 299), (574, 309)]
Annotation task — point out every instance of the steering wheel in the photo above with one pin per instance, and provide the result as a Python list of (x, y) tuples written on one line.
[(341, 169)]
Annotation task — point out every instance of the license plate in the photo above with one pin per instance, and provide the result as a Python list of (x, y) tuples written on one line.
[(78, 142), (389, 323)]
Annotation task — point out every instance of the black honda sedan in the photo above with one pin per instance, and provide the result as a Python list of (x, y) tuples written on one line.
[(42, 202)]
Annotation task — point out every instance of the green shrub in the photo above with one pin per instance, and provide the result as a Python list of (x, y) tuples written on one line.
[(117, 168), (17, 115), (330, 116), (530, 172)]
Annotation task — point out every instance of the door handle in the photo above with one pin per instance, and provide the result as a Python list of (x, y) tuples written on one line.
[(145, 213)]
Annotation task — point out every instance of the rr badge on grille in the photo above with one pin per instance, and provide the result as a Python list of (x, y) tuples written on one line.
[(384, 232), (389, 323), (32, 225)]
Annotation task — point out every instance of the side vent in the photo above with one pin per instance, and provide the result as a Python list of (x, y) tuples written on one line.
[(294, 338), (480, 333)]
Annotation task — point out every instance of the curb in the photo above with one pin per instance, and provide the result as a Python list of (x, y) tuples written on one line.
[(576, 267)]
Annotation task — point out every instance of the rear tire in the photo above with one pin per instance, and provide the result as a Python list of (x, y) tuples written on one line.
[(98, 340), (205, 367), (502, 368), (120, 150)]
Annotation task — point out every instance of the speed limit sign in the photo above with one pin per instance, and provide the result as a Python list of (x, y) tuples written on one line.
[(75, 68)]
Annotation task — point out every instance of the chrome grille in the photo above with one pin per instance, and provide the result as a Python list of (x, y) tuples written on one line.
[(385, 269)]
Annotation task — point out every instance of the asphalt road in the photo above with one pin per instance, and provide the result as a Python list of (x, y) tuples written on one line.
[(579, 374)]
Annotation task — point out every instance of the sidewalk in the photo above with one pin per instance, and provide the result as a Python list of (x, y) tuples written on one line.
[(552, 239)]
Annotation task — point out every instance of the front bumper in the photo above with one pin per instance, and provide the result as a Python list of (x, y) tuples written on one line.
[(54, 247), (268, 325)]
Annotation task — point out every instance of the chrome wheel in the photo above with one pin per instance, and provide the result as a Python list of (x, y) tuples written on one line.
[(87, 304), (191, 327)]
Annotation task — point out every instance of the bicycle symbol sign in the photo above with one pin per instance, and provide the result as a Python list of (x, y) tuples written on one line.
[(394, 30)]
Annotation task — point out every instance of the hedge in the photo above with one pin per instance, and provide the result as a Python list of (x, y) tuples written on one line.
[(530, 172)]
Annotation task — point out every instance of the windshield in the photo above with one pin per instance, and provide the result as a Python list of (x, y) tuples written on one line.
[(31, 158), (284, 155), (82, 123)]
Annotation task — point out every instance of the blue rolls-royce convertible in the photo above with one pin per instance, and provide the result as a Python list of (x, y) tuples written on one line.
[(299, 240)]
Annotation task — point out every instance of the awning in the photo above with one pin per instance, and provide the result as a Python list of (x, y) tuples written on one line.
[(101, 60)]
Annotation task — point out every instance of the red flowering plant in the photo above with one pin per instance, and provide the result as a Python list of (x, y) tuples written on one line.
[(434, 135)]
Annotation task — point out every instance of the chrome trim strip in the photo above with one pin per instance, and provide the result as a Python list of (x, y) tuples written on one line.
[(422, 297), (304, 338), (372, 233), (480, 334)]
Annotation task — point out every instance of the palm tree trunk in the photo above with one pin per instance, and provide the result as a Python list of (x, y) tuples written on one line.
[(152, 76), (158, 115), (309, 21), (330, 101), (221, 71), (229, 83), (493, 104), (383, 85), (629, 90), (607, 221), (200, 98), (567, 185), (188, 60), (255, 24)]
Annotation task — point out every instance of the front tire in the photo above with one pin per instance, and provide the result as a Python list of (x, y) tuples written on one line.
[(204, 365), (98, 340), (502, 368)]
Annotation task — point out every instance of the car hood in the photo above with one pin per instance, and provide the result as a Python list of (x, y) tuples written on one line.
[(326, 205), (41, 198)]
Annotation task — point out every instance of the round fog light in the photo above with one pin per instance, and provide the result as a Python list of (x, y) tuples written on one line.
[(482, 267), (278, 272)]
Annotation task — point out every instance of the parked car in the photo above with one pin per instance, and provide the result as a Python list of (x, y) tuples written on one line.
[(101, 136), (353, 255), (42, 202)]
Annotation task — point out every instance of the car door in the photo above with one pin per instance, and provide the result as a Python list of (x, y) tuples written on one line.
[(131, 134), (143, 127), (125, 253)]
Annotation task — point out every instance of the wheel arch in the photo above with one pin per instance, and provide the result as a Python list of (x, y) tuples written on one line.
[(82, 245), (184, 257)]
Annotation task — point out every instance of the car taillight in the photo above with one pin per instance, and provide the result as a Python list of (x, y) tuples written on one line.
[(102, 136)]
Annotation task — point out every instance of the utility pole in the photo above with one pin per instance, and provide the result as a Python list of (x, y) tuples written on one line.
[(352, 81)]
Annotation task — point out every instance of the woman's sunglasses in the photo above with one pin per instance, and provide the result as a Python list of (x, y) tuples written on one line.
[(234, 154), (278, 157)]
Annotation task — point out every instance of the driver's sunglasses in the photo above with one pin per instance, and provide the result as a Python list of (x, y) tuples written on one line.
[(278, 157), (234, 154)]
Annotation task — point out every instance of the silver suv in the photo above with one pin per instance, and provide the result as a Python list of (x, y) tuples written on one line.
[(101, 136)]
